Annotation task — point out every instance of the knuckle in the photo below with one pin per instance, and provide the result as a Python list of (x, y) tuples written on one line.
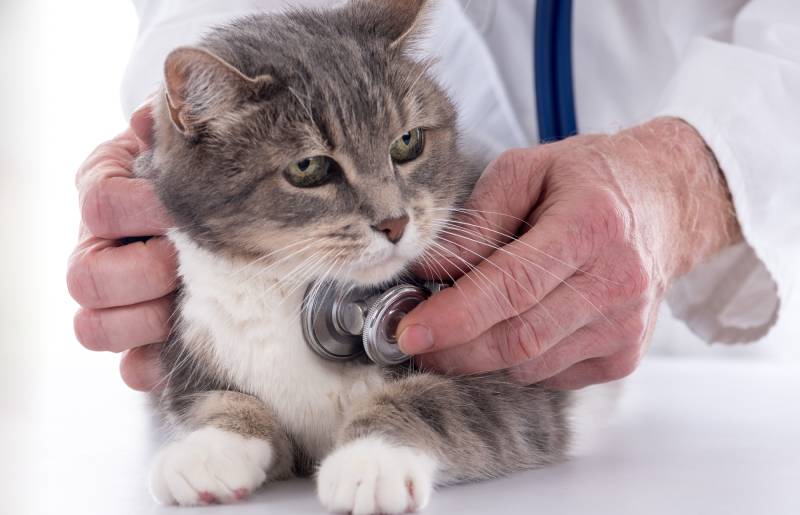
[(632, 277), (510, 159), (522, 285), (82, 280), (156, 318), (97, 209), (161, 274), (607, 219), (470, 320), (514, 172), (89, 330), (635, 276), (516, 344)]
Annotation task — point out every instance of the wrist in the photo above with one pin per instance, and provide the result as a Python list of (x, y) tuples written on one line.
[(699, 218)]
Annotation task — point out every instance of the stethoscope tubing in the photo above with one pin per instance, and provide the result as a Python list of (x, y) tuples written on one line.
[(552, 51)]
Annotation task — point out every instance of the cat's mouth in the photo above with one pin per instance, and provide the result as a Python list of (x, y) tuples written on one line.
[(382, 262), (378, 267)]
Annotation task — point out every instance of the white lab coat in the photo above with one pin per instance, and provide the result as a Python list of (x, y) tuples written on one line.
[(731, 68)]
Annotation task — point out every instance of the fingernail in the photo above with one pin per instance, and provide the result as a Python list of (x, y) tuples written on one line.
[(415, 339)]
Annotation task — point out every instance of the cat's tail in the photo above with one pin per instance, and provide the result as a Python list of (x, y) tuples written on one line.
[(590, 412)]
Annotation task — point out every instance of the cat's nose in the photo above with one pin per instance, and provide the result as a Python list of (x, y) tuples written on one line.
[(393, 228)]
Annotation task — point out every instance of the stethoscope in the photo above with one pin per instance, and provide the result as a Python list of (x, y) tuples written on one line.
[(346, 323)]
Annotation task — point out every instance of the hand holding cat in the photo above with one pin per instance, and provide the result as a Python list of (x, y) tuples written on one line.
[(125, 290), (604, 224)]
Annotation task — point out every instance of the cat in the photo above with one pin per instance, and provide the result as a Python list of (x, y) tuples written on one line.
[(301, 146)]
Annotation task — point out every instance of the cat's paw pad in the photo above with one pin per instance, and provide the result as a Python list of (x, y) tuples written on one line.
[(370, 475), (209, 466)]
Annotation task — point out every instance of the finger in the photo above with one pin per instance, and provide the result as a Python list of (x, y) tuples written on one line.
[(120, 329), (140, 368), (102, 274), (595, 371), (118, 154), (142, 123), (586, 343), (500, 203), (529, 336), (510, 282), (114, 206), (113, 203)]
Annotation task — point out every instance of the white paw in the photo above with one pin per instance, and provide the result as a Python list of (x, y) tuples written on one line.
[(370, 475), (208, 466)]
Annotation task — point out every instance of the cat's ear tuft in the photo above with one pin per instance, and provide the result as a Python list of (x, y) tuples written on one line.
[(202, 87), (399, 21)]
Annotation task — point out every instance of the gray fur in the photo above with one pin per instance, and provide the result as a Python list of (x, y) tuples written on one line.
[(341, 79)]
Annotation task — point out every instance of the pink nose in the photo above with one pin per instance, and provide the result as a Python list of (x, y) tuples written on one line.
[(393, 228)]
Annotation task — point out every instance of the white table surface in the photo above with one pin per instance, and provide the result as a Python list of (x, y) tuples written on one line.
[(690, 436)]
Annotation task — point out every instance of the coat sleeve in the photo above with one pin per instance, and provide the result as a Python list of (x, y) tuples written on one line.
[(743, 96)]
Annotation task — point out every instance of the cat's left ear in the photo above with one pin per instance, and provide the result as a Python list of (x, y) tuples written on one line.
[(202, 88), (399, 21)]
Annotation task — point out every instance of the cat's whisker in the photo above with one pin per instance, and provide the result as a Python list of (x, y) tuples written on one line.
[(500, 294), (487, 242), (524, 259), (323, 281), (522, 221), (324, 262), (304, 104), (305, 276), (513, 237), (287, 280), (462, 271), (265, 257), (426, 66), (497, 289), (275, 264)]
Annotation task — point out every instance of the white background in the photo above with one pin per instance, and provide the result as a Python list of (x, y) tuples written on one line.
[(62, 62)]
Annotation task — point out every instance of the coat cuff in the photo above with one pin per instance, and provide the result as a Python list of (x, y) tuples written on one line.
[(736, 295)]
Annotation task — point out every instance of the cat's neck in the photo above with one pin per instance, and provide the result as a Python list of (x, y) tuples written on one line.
[(243, 290)]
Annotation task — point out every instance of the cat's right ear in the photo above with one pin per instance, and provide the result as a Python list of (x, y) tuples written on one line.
[(202, 88)]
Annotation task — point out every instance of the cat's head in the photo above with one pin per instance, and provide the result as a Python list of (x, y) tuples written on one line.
[(311, 141)]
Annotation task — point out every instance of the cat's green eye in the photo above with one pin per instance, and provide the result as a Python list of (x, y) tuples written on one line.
[(408, 146), (309, 172)]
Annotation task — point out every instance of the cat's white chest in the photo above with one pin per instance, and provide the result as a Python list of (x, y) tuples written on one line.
[(256, 338)]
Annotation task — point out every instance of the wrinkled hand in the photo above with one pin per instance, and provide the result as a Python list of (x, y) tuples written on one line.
[(125, 290), (604, 224)]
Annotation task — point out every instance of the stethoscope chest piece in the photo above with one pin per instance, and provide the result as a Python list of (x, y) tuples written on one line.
[(344, 323)]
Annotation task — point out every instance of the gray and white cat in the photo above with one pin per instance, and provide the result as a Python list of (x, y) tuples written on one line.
[(290, 148)]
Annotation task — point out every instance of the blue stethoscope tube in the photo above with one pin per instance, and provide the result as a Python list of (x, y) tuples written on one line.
[(552, 52)]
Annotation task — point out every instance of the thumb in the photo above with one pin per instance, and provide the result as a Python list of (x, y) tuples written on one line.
[(493, 215), (142, 123)]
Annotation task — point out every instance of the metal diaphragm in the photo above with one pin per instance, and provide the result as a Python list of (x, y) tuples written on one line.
[(385, 314), (343, 323)]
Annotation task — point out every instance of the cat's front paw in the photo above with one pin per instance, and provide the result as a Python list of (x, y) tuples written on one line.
[(371, 475), (209, 466)]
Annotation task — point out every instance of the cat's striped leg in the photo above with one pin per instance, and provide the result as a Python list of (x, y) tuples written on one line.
[(425, 430), (230, 445)]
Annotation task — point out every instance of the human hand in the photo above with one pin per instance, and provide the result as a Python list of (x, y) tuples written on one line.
[(604, 224), (124, 289)]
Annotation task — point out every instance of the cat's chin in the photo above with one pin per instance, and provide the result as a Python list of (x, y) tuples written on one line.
[(377, 274)]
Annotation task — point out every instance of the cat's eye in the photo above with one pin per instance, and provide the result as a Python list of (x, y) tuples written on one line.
[(309, 172), (408, 146)]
